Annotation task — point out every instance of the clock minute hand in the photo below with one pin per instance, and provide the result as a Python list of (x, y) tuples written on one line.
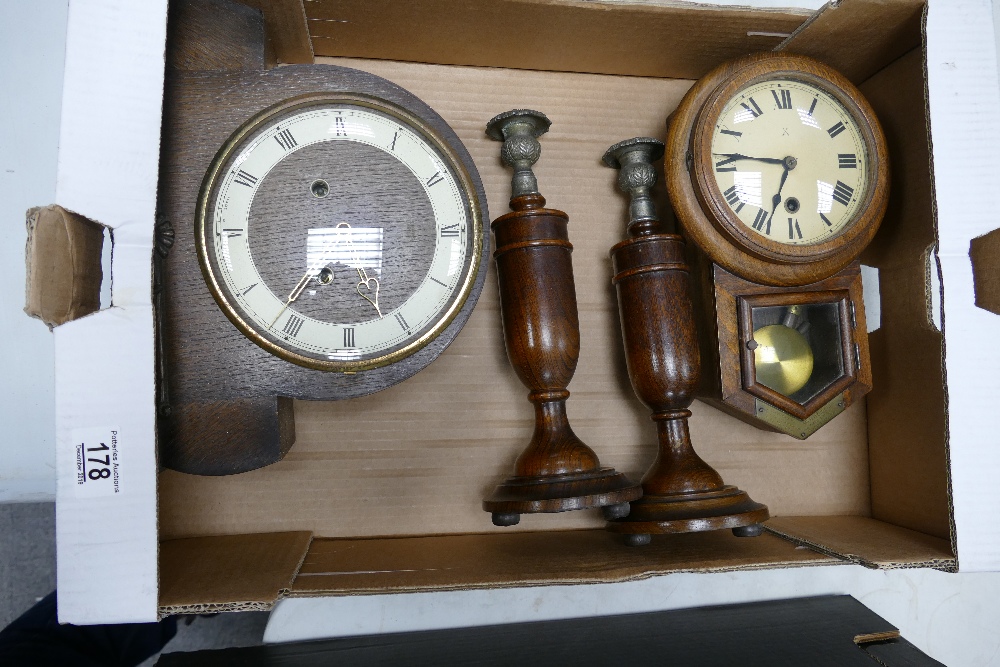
[(739, 156), (776, 199), (369, 293), (295, 294)]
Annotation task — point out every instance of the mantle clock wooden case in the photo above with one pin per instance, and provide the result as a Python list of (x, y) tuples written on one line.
[(328, 239)]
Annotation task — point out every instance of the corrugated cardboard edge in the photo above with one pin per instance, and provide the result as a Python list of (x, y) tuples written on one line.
[(952, 521), (230, 572), (62, 264), (868, 542), (529, 559)]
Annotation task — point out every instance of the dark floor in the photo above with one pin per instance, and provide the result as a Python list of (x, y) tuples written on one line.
[(28, 573)]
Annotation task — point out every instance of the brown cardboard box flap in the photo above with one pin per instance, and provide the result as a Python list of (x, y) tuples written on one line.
[(859, 37), (662, 40), (449, 562), (63, 265), (230, 572), (865, 541), (984, 252)]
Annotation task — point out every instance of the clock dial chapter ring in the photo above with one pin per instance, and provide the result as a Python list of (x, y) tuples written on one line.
[(704, 209), (458, 220)]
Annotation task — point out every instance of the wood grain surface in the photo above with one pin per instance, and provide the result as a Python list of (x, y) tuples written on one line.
[(720, 297), (680, 492), (557, 471)]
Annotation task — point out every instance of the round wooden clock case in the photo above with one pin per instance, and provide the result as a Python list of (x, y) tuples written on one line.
[(720, 110)]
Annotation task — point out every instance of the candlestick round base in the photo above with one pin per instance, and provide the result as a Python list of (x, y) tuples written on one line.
[(726, 507), (561, 493)]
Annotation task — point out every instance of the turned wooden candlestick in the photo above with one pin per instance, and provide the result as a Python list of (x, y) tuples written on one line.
[(557, 472), (681, 493)]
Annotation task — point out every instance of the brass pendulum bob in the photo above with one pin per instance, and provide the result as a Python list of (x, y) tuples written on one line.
[(557, 471), (681, 493)]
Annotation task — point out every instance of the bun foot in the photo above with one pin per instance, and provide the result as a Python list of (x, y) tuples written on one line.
[(753, 530), (637, 539), (619, 511), (500, 519)]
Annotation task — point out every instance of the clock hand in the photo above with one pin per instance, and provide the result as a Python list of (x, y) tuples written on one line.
[(365, 281), (738, 156), (776, 199), (295, 294)]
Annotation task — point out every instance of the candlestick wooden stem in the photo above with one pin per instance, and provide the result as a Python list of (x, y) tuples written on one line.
[(681, 493), (557, 471)]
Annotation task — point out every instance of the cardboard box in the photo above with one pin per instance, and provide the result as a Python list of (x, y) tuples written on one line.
[(382, 494)]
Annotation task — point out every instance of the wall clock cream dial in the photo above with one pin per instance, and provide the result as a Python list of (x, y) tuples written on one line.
[(790, 161), (777, 168), (339, 233)]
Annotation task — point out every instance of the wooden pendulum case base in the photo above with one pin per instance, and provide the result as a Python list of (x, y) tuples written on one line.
[(557, 471), (681, 493)]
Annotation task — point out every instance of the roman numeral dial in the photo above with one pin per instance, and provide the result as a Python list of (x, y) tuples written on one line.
[(788, 162), (340, 233)]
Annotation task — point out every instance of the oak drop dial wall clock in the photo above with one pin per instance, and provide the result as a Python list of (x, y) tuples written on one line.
[(778, 172), (329, 240), (338, 232)]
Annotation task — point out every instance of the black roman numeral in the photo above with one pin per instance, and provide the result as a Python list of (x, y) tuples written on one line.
[(782, 98), (732, 133), (293, 325), (843, 193), (721, 164), (286, 140), (348, 336), (435, 179), (437, 281), (402, 322), (733, 198), (247, 290), (755, 111), (760, 219), (847, 160), (449, 231), (812, 107), (836, 129), (793, 229), (826, 220), (243, 178), (339, 128), (392, 146)]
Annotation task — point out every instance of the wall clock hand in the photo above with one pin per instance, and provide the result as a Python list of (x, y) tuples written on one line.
[(776, 199), (737, 156)]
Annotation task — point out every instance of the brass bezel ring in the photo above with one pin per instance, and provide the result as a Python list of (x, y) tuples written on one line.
[(453, 162)]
